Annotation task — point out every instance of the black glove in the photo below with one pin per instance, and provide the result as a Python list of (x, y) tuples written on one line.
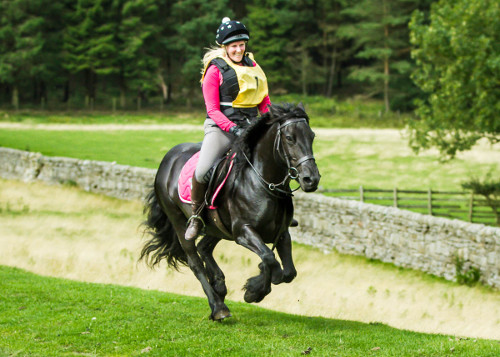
[(236, 131)]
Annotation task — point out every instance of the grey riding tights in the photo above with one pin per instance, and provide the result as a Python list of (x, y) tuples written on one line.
[(215, 143)]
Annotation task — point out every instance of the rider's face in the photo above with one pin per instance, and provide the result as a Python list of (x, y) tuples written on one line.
[(236, 50)]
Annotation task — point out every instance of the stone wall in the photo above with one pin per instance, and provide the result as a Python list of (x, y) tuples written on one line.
[(388, 234), (107, 178)]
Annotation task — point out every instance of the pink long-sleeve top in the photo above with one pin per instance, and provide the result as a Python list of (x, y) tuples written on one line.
[(211, 83)]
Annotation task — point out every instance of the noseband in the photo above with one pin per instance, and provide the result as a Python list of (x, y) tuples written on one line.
[(279, 152)]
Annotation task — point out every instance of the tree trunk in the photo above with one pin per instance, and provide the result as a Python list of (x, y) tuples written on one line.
[(331, 73), (386, 62), (386, 85), (304, 71), (65, 98), (15, 96)]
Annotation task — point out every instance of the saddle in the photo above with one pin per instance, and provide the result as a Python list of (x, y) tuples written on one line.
[(219, 173)]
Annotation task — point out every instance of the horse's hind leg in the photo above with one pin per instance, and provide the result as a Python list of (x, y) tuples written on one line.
[(219, 309), (284, 248), (215, 275)]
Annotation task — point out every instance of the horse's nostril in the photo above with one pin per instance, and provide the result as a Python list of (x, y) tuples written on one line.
[(307, 180)]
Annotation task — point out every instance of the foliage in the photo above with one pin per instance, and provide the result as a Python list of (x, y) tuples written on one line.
[(48, 316), (457, 51), (490, 190), (469, 277)]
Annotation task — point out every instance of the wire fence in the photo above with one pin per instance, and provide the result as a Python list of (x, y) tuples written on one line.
[(463, 205)]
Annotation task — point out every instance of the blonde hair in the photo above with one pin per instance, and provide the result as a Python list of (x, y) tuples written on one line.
[(212, 53)]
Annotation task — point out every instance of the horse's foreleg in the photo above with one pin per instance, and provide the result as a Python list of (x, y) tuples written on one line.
[(215, 275), (270, 270), (284, 248)]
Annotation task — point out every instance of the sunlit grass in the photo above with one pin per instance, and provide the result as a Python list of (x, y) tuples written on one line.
[(346, 158)]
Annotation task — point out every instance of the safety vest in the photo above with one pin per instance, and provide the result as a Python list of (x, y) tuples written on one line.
[(242, 90)]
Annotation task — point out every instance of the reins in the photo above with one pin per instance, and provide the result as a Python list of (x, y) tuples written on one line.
[(293, 173)]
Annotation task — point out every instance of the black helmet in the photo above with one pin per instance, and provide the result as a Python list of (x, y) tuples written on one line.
[(230, 31)]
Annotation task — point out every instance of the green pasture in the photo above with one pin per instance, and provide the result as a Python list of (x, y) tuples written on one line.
[(346, 160), (41, 316)]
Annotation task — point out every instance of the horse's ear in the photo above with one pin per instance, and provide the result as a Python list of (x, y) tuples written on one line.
[(301, 106)]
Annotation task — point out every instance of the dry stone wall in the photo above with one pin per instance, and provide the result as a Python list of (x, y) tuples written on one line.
[(403, 238)]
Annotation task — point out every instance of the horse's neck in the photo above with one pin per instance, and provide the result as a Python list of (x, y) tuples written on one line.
[(266, 161)]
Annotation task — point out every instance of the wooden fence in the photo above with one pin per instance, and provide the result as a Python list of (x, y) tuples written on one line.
[(460, 205)]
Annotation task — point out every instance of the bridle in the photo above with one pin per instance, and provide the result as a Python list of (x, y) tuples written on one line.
[(280, 152)]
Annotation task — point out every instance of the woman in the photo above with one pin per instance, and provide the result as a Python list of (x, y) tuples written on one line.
[(235, 91)]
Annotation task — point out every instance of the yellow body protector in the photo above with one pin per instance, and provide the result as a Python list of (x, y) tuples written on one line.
[(243, 87)]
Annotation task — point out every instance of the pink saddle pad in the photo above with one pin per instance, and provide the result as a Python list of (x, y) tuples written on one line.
[(186, 177)]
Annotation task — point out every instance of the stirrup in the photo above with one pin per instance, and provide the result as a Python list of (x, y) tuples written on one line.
[(195, 216)]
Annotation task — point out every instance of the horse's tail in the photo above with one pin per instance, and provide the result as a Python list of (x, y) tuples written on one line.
[(164, 243)]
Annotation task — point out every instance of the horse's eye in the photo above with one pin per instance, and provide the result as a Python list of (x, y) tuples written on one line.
[(289, 138)]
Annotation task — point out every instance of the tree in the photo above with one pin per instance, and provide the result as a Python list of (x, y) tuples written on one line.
[(21, 43), (490, 190), (270, 35), (333, 48), (379, 32), (192, 36), (457, 52)]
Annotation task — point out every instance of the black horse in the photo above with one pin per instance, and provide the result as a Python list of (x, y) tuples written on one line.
[(254, 206)]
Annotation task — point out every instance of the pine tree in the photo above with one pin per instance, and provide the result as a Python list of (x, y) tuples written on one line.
[(21, 44), (192, 36), (379, 33)]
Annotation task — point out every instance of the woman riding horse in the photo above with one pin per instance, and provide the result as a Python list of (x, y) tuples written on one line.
[(235, 91), (254, 206)]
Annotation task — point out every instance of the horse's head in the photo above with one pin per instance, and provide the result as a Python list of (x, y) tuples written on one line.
[(293, 144)]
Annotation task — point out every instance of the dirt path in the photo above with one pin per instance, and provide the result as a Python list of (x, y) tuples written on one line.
[(127, 127), (64, 232)]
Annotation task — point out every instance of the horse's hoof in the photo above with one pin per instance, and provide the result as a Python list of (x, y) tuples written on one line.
[(250, 296), (221, 315), (277, 277)]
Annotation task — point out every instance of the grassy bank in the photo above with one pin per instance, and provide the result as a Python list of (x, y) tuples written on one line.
[(54, 317)]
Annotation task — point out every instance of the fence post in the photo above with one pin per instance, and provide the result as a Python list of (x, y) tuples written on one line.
[(395, 197), (361, 194), (429, 201), (471, 206), (114, 105)]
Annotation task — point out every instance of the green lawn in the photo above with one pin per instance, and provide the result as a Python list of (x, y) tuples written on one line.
[(347, 159), (42, 316)]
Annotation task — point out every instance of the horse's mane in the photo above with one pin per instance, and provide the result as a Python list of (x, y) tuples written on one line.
[(252, 134)]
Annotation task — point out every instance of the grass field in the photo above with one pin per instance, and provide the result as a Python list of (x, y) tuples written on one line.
[(54, 317), (347, 158), (68, 233)]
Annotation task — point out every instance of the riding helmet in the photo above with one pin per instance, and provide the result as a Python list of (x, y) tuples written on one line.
[(231, 31)]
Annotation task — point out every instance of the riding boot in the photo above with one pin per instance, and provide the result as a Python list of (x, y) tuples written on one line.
[(196, 223), (294, 223)]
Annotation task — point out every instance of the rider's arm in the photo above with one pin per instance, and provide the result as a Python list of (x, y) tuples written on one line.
[(263, 106), (211, 83)]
